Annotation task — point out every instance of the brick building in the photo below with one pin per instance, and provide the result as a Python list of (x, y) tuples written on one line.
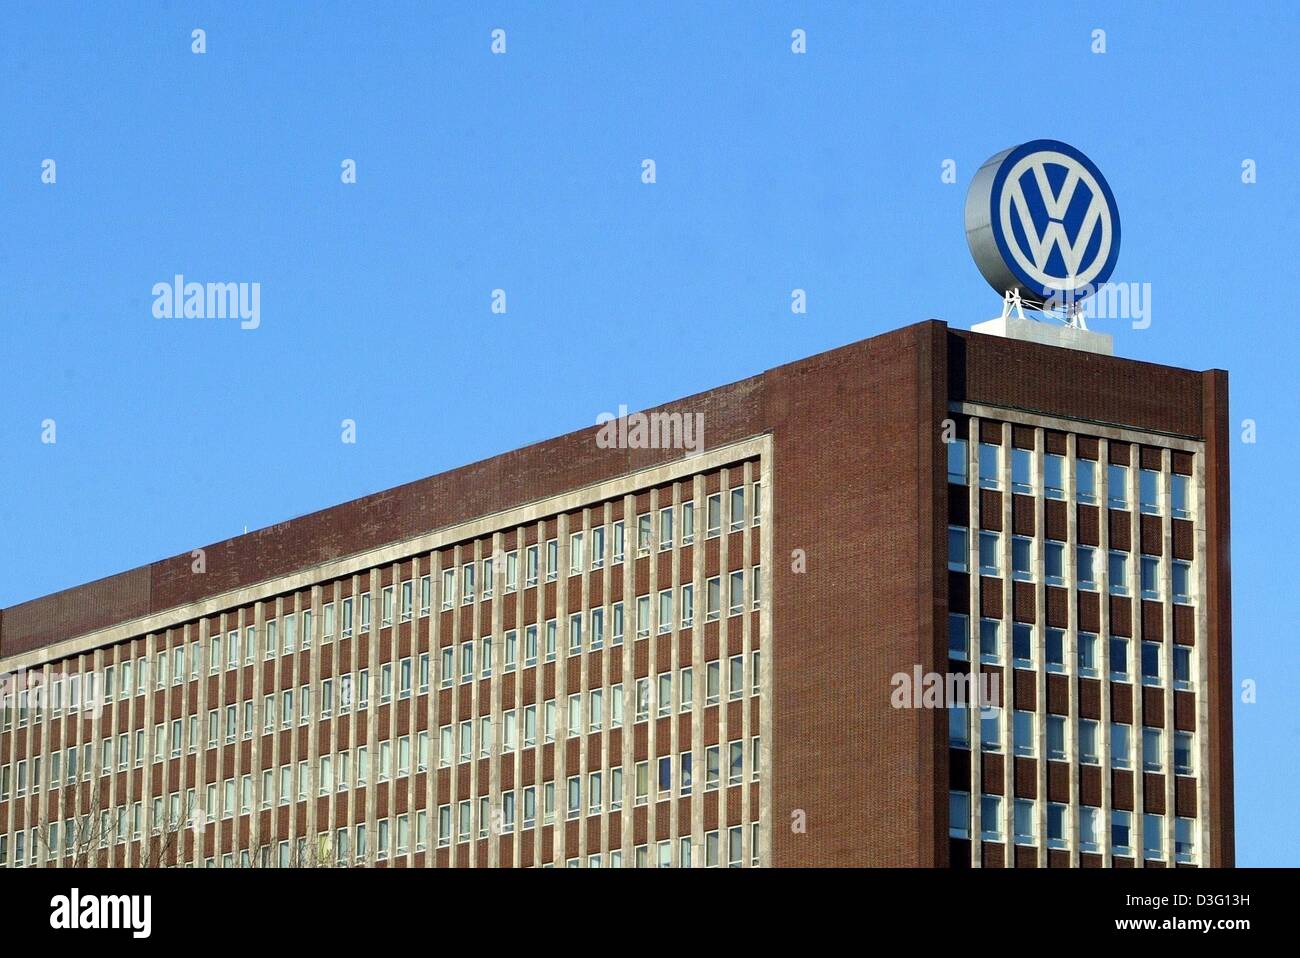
[(577, 655)]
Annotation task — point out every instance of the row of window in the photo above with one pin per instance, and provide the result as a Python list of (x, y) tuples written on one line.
[(1053, 554), (673, 775), (676, 609), (1024, 739), (1151, 482), (649, 697), (1025, 827), (1024, 652)]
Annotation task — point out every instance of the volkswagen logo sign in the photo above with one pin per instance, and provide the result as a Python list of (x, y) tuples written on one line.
[(1041, 220)]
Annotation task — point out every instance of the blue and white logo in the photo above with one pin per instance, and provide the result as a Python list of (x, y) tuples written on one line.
[(1041, 220)]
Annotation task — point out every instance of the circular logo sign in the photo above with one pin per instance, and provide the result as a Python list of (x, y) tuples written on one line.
[(1041, 220)]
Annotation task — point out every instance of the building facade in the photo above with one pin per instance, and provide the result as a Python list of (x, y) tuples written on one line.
[(574, 655)]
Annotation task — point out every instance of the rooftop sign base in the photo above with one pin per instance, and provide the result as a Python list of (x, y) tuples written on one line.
[(1048, 334)]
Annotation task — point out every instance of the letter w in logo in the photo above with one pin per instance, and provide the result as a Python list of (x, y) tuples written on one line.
[(1043, 218)]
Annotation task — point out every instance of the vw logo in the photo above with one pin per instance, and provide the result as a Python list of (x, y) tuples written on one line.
[(1041, 220)]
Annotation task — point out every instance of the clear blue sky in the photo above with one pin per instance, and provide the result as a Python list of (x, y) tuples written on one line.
[(522, 172)]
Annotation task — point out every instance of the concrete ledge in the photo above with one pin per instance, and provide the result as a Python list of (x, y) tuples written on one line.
[(1048, 334)]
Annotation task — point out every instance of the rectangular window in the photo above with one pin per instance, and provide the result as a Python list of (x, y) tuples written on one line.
[(957, 462), (1185, 840), (1184, 753), (598, 547), (1056, 819), (1022, 471), (958, 636), (1151, 663), (665, 528), (1026, 822), (1089, 666), (990, 641), (1121, 746), (957, 549), (1151, 577), (552, 559), (1053, 476), (1118, 569), (1182, 581), (488, 581), (1056, 751), (1089, 817), (1149, 492), (990, 466), (531, 563), (550, 641), (737, 511), (1121, 832), (1054, 562), (959, 815), (1088, 752), (512, 571), (665, 611), (619, 541), (1183, 668), (958, 727), (1022, 558), (990, 553), (688, 522), (991, 818), (1085, 557), (426, 596), (1178, 494), (1153, 844), (577, 560), (1119, 669), (1023, 734), (1085, 481), (713, 517), (991, 729), (1054, 648), (1022, 645), (467, 583), (1153, 759), (1117, 486)]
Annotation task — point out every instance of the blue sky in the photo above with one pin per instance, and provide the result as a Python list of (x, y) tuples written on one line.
[(521, 172)]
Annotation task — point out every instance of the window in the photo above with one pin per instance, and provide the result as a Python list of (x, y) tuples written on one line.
[(990, 466), (991, 729), (466, 661), (1053, 476), (959, 815), (1025, 821), (1185, 840), (1022, 471), (736, 592), (665, 611), (1088, 753), (1182, 574), (530, 566), (1152, 750), (990, 641), (1054, 648), (1056, 751), (1022, 558), (467, 583), (511, 655), (1023, 734), (958, 727), (598, 547), (1151, 577), (1149, 492), (1088, 667), (1118, 573), (487, 578), (1178, 495), (957, 549), (990, 549), (1153, 846), (642, 616), (576, 559), (1117, 486), (688, 605), (957, 462), (958, 636), (1119, 659), (619, 541), (1022, 645), (512, 571), (1089, 817), (1121, 746), (688, 522), (991, 818), (1085, 481), (386, 606), (426, 599), (1184, 753), (1054, 562), (1085, 557), (1151, 663), (550, 640), (665, 528), (713, 510), (735, 678), (1121, 832), (737, 511), (644, 536), (1182, 668), (1056, 818), (466, 740), (712, 682), (616, 633)]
